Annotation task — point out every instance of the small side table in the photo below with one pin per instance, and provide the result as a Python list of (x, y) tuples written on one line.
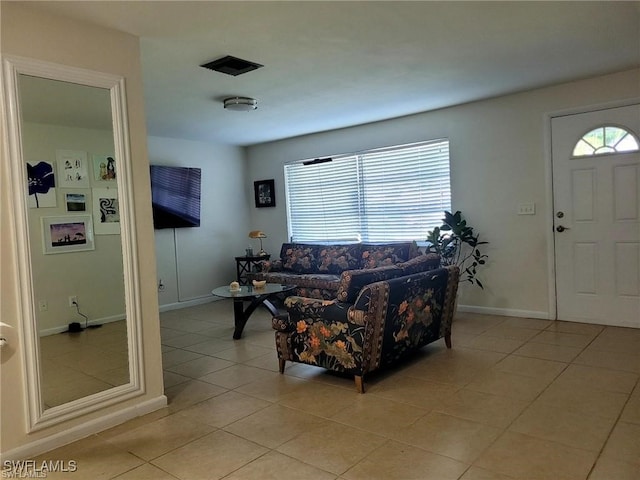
[(245, 265)]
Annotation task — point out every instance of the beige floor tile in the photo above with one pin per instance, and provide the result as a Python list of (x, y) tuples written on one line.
[(236, 375), (275, 466), (157, 438), (185, 340), (95, 458), (186, 325), (610, 469), (512, 333), (395, 460), (547, 351), (223, 409), (272, 388), (618, 339), (210, 457), (564, 425), (134, 423), (468, 358), (509, 385), (530, 367), (624, 443), (145, 472), (476, 323), (243, 352), (379, 415), (167, 333), (493, 410), (209, 347), (440, 372), (319, 399), (188, 393), (475, 473), (494, 344), (533, 323), (419, 393), (178, 356), (594, 377), (199, 367), (575, 327), (266, 362), (274, 425), (452, 437), (583, 399), (170, 379), (631, 412), (564, 339), (623, 361), (332, 447), (525, 457)]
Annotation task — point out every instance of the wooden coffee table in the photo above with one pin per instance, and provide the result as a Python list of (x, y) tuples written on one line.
[(256, 297)]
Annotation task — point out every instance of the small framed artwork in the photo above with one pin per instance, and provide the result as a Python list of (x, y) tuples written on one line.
[(68, 234), (104, 168), (41, 184), (265, 193), (106, 211), (73, 170), (75, 201)]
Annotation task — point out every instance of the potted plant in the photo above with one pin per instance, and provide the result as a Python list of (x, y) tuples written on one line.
[(456, 244)]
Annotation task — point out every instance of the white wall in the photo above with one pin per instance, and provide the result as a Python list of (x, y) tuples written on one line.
[(193, 261), (499, 158)]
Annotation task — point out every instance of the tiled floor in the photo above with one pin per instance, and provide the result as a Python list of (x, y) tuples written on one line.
[(514, 399)]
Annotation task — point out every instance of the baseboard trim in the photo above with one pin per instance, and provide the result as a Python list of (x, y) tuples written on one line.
[(83, 430), (65, 327), (504, 312)]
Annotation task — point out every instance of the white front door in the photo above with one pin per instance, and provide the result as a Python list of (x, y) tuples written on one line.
[(597, 220)]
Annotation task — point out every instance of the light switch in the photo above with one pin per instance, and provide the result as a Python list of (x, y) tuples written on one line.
[(526, 209)]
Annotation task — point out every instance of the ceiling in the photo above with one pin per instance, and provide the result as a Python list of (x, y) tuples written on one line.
[(330, 65)]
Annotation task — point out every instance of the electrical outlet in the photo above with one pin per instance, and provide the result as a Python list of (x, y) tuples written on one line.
[(42, 305), (73, 300), (160, 286)]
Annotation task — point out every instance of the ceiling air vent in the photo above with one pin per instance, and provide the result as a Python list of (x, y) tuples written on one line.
[(232, 65)]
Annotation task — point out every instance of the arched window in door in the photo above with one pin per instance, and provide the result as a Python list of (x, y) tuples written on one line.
[(604, 140)]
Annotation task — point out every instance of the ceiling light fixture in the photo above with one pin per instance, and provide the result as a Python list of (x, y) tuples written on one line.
[(240, 104)]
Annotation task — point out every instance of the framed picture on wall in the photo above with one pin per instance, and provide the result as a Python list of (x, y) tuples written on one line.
[(73, 170), (104, 168), (67, 234), (265, 193), (76, 201), (106, 211), (41, 184)]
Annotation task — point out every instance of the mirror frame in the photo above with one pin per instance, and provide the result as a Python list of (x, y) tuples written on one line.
[(38, 417)]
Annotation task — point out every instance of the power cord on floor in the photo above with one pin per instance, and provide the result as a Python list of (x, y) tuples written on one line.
[(86, 319)]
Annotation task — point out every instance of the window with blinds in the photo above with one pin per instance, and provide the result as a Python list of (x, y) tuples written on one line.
[(390, 194)]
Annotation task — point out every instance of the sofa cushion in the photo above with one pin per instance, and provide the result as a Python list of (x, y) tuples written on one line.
[(352, 281), (382, 255), (338, 258), (421, 263), (299, 257)]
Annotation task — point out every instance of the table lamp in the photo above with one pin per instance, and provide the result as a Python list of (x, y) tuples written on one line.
[(259, 235)]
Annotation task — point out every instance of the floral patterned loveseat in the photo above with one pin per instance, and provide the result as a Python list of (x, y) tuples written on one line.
[(387, 320), (318, 270)]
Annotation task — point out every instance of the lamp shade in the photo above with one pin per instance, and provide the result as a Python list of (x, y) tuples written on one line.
[(257, 234)]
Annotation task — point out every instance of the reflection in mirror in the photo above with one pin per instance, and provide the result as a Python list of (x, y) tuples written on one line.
[(74, 236), (72, 216)]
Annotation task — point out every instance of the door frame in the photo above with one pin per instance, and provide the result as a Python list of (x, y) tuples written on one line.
[(549, 220)]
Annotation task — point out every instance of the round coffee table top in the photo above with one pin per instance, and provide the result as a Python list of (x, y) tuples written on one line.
[(248, 291)]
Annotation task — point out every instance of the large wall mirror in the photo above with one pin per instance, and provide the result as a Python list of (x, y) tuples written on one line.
[(74, 221)]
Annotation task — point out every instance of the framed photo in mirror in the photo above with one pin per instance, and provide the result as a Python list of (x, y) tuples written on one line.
[(67, 234)]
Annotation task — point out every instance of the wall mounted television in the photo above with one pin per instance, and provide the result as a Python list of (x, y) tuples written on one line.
[(175, 196)]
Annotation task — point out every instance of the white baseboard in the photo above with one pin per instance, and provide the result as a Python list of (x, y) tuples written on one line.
[(504, 312), (188, 303), (65, 327), (83, 430)]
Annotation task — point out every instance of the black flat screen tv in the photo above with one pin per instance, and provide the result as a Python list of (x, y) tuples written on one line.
[(175, 196)]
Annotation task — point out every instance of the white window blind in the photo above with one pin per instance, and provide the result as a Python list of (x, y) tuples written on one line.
[(391, 194)]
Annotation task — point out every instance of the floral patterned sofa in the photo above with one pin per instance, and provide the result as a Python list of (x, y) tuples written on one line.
[(385, 321), (318, 271)]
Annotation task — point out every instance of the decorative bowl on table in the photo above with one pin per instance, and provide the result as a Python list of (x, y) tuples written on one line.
[(259, 283), (234, 287)]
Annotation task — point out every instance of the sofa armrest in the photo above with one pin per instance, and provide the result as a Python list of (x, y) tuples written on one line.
[(265, 266), (313, 308)]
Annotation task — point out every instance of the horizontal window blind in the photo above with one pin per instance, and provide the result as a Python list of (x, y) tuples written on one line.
[(391, 194)]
